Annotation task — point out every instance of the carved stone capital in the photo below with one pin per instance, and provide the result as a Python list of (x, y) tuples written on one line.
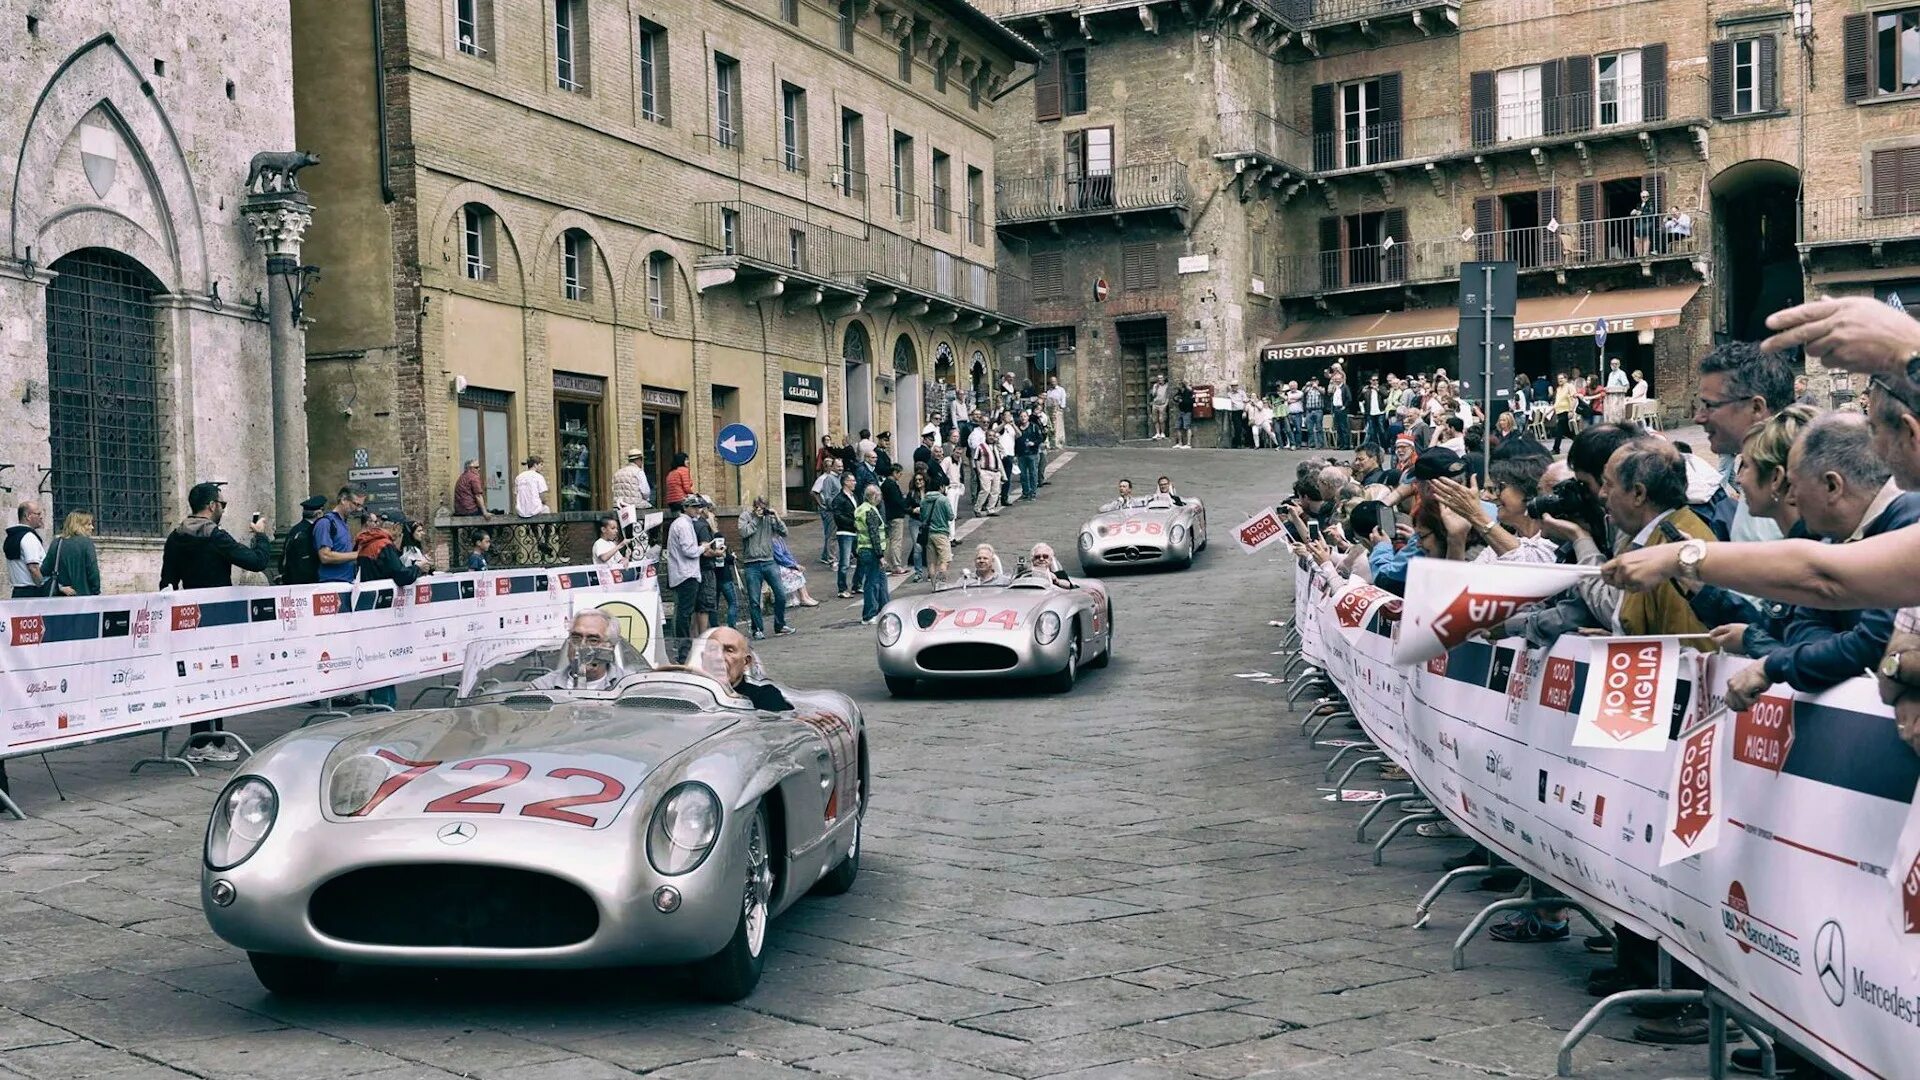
[(280, 221)]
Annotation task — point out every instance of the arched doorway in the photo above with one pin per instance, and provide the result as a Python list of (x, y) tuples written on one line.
[(1753, 203), (979, 377), (907, 412), (103, 379), (857, 355)]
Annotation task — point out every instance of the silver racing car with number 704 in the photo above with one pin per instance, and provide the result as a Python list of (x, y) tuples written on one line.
[(608, 813), (1156, 530), (1026, 626)]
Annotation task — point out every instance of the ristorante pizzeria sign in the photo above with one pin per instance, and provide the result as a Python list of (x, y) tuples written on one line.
[(1440, 339)]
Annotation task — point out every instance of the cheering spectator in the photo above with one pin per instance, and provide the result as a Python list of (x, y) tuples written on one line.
[(1510, 535), (1739, 387), (1743, 626), (199, 554), (73, 566), (607, 546)]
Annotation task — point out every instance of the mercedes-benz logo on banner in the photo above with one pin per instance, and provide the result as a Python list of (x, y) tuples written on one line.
[(1830, 961), (456, 833)]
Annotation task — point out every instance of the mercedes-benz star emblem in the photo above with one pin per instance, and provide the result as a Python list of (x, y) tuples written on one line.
[(458, 832), (1830, 961)]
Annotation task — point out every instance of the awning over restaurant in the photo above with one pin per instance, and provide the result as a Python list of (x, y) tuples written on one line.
[(1537, 318)]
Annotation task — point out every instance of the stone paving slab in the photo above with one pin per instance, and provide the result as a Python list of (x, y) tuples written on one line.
[(1136, 881)]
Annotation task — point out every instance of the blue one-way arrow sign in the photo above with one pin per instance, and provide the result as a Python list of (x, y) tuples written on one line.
[(737, 444)]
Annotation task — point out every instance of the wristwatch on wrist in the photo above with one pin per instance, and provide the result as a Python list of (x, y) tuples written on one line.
[(1692, 554), (1891, 664)]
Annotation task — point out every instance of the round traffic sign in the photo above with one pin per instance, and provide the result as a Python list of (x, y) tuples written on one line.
[(737, 444)]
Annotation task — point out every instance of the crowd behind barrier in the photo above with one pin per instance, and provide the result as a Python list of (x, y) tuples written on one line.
[(81, 669), (1774, 851)]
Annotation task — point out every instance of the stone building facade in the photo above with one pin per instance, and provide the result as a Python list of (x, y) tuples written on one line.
[(1342, 158), (570, 229), (133, 334)]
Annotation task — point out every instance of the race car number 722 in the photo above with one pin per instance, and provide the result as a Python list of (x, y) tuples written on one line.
[(968, 618), (468, 800)]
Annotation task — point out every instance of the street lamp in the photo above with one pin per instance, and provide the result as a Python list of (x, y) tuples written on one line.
[(1803, 23)]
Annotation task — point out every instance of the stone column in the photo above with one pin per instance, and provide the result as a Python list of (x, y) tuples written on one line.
[(280, 220)]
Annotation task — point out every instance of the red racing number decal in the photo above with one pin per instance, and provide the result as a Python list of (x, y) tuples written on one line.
[(970, 618), (1151, 528), (414, 771), (556, 809), (459, 802)]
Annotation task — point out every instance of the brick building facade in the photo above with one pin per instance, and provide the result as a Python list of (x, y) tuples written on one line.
[(1336, 161), (134, 354), (569, 227)]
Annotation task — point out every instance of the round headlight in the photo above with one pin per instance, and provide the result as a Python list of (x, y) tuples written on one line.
[(241, 821), (354, 783), (684, 828), (889, 628), (1086, 539), (1179, 533), (1046, 628)]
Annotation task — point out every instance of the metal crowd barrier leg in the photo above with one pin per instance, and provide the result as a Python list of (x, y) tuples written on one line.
[(1376, 809), (1359, 746), (1424, 909), (7, 804), (1665, 995), (1328, 719), (164, 758), (1340, 785), (1485, 915), (324, 716), (1397, 827), (1748, 1025), (1592, 920), (1319, 705), (442, 690)]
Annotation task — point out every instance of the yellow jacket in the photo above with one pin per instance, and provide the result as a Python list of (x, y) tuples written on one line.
[(1665, 610)]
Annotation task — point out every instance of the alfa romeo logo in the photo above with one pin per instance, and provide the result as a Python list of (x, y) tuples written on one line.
[(1830, 961), (457, 833)]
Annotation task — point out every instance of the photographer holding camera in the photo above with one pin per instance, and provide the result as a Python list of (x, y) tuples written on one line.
[(757, 532)]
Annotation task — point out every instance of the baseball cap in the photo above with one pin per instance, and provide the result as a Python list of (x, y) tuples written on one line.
[(1437, 461)]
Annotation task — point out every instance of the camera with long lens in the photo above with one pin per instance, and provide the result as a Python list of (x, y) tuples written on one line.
[(1570, 500)]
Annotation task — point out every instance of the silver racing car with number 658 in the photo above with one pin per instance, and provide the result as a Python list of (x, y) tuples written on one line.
[(634, 815), (1151, 531)]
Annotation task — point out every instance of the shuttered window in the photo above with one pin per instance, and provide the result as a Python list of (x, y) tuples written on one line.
[(1896, 181), (1073, 81), (1140, 267), (1743, 76), (1046, 87), (1049, 275)]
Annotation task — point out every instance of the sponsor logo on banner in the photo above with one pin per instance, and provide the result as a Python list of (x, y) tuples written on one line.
[(1258, 531), (1629, 698), (1754, 934), (1556, 684), (1693, 796), (1763, 734), (1447, 602), (1354, 605), (1830, 961)]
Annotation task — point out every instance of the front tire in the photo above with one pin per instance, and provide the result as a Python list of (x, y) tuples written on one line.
[(731, 974), (901, 685), (1062, 681), (292, 976)]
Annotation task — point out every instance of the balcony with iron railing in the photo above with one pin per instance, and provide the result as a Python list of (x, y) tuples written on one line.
[(754, 242), (1558, 248), (1051, 198), (1250, 135), (1874, 220), (1296, 15), (908, 266)]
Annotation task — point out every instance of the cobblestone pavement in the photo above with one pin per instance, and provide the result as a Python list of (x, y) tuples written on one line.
[(1139, 880)]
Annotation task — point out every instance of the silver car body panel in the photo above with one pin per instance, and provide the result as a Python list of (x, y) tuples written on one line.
[(649, 735), (1144, 536), (996, 623)]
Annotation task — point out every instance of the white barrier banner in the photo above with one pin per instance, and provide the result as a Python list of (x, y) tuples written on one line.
[(77, 669), (1628, 705), (1448, 602), (1794, 889)]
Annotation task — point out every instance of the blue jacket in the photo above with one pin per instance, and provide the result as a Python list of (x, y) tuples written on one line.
[(1825, 648), (1390, 566), (1766, 620)]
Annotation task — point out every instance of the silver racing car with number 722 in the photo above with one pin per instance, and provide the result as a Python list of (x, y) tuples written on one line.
[(607, 813), (1156, 530), (997, 627)]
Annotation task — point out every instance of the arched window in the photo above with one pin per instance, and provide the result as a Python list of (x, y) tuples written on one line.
[(103, 375), (854, 349), (904, 360)]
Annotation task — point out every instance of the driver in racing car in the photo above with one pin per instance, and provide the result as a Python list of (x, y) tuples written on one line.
[(986, 565), (724, 654), (592, 656), (1126, 496), (1043, 561)]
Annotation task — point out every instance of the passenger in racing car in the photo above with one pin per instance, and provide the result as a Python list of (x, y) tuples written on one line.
[(1166, 489), (593, 656), (986, 567), (1126, 495), (725, 654), (1042, 561)]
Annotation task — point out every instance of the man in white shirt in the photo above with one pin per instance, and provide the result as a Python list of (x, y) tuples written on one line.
[(1057, 410), (1615, 409), (24, 549), (1157, 401), (530, 490)]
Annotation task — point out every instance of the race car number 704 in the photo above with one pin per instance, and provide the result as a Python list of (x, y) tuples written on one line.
[(968, 618)]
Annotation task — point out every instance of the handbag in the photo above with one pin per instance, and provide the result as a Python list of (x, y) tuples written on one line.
[(48, 586)]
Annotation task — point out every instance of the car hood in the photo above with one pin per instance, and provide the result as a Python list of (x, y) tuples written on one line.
[(497, 759)]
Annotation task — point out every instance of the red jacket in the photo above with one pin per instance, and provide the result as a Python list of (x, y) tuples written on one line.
[(679, 485)]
